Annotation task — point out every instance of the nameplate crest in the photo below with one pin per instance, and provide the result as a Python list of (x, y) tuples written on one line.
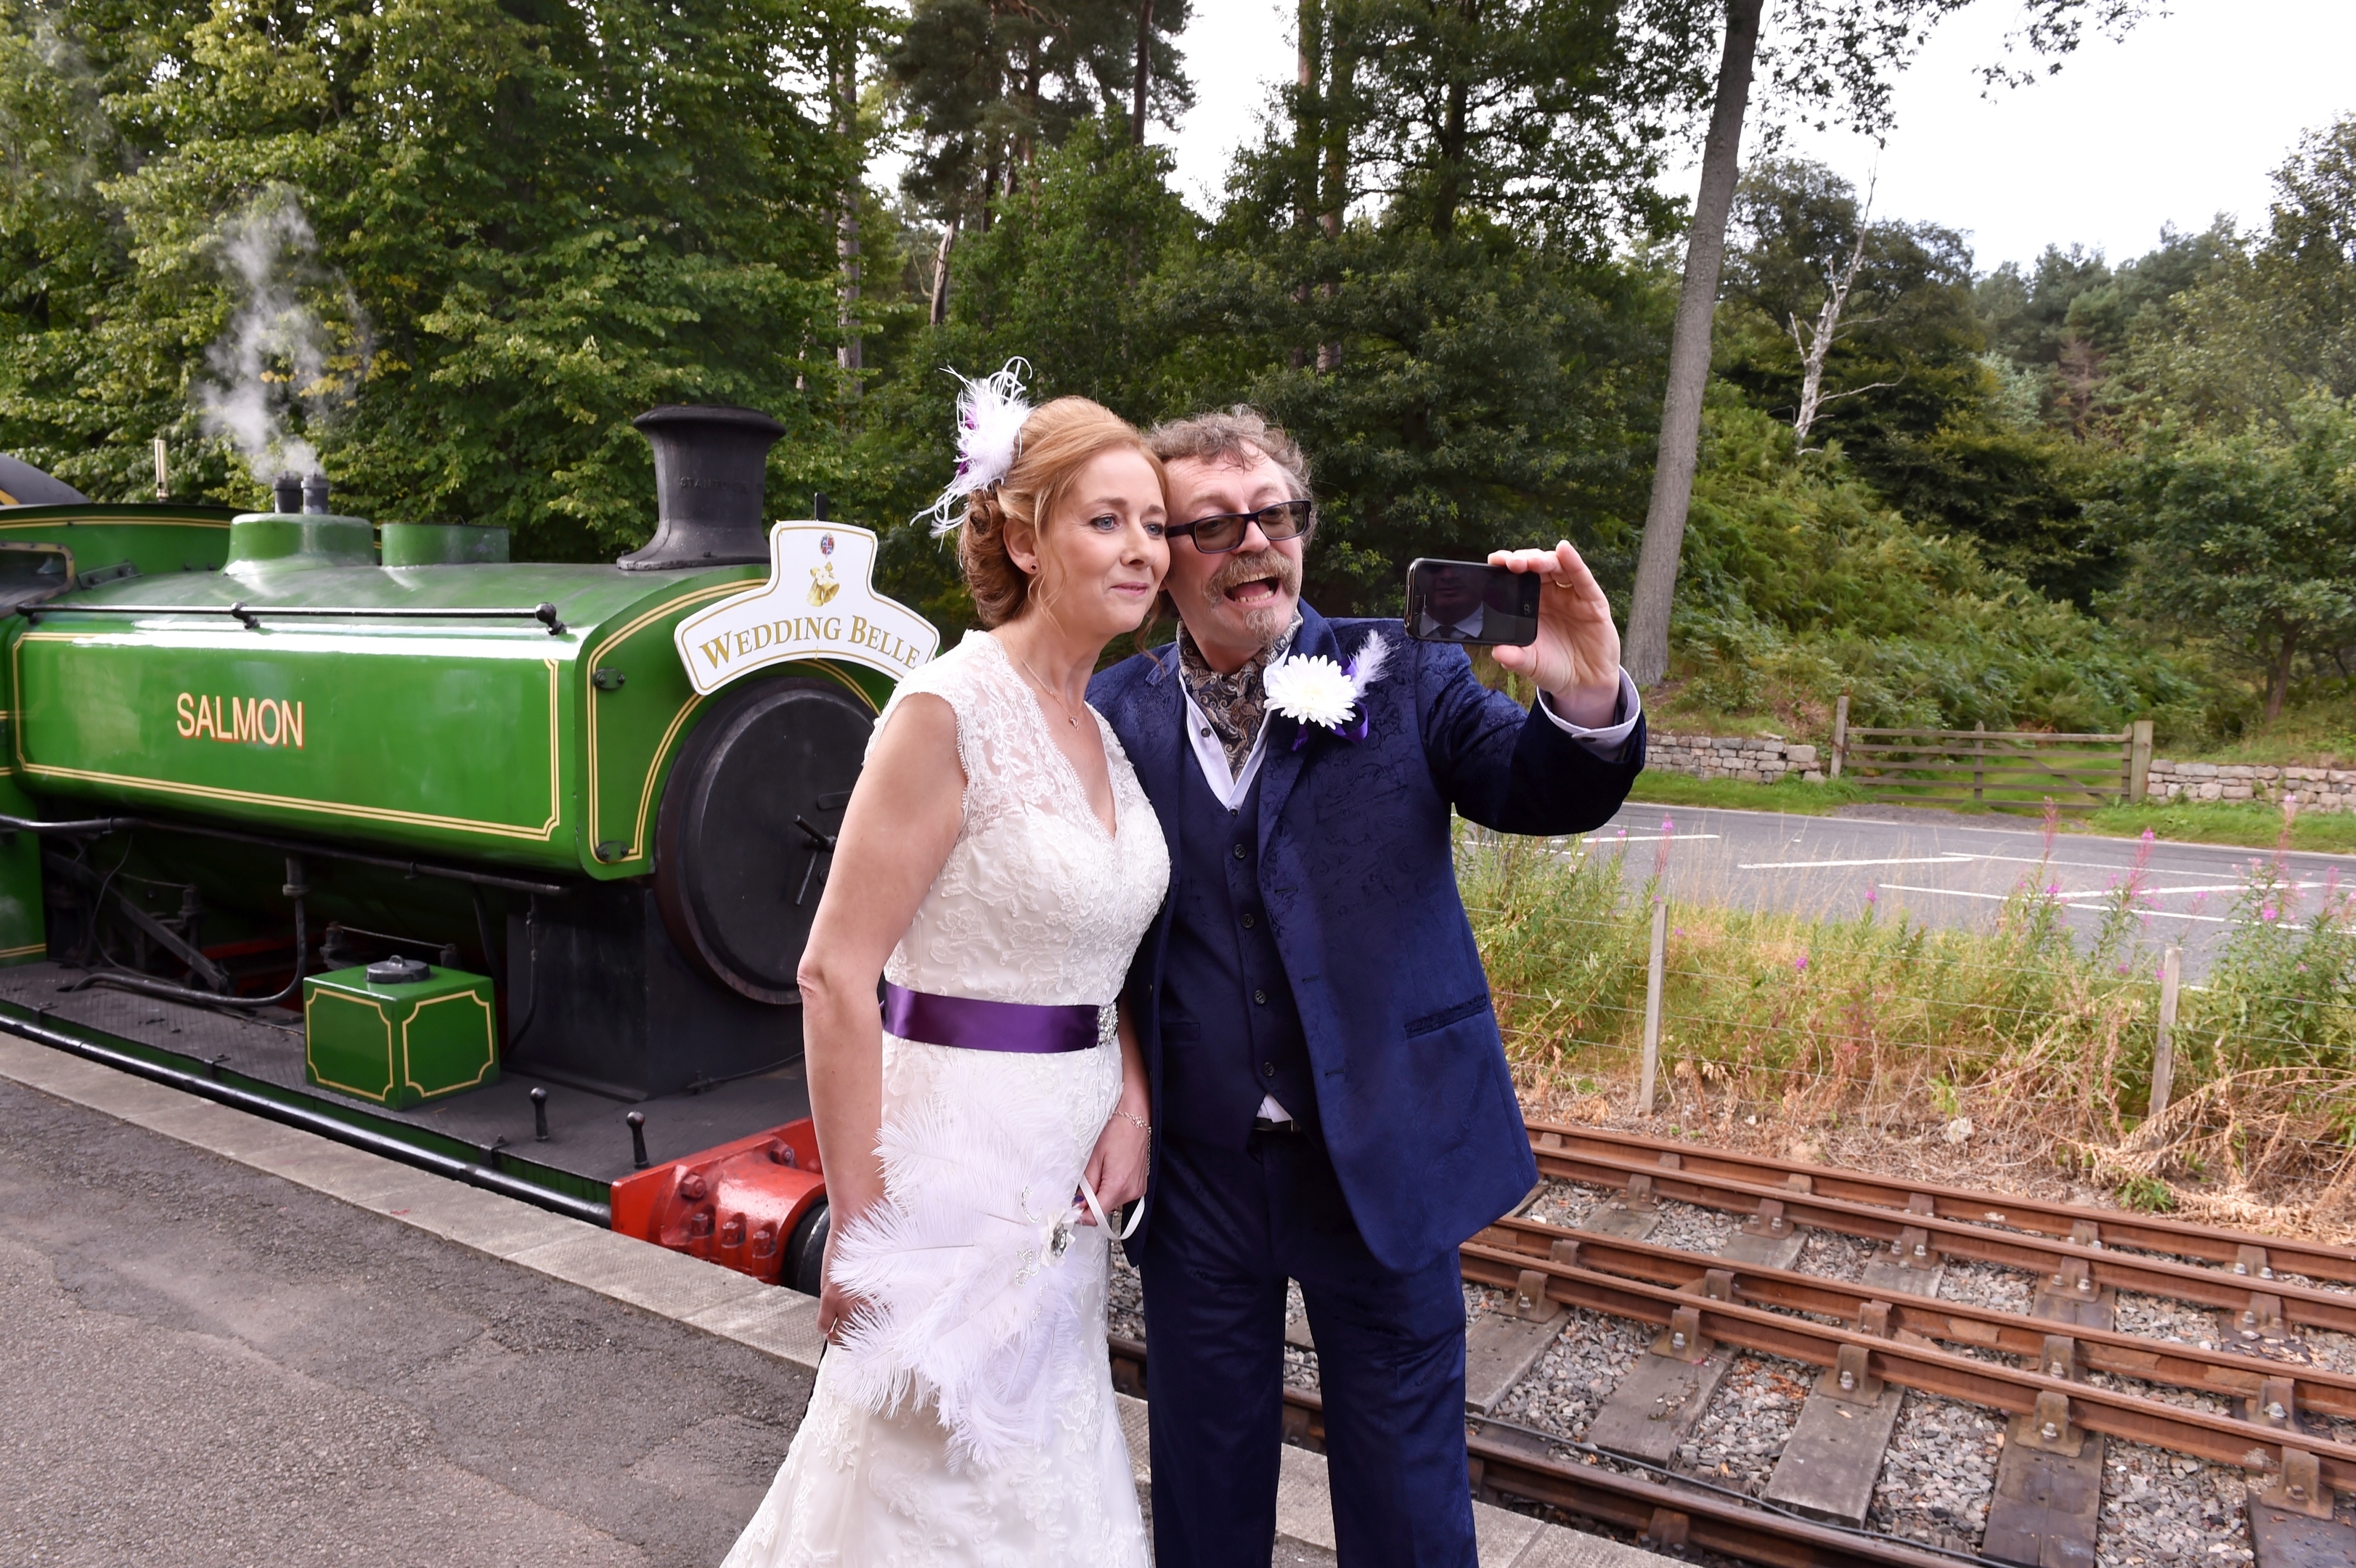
[(820, 602)]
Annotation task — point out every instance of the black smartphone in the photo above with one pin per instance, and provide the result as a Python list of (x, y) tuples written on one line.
[(1472, 602)]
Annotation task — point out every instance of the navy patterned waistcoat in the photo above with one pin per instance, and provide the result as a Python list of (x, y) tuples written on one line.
[(1231, 1030)]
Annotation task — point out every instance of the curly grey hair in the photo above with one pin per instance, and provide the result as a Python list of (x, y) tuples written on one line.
[(1238, 435)]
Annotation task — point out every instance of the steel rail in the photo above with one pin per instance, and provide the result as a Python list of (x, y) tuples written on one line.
[(2223, 1440), (2098, 1350), (1954, 1238), (42, 1032), (2113, 1226), (1708, 1518)]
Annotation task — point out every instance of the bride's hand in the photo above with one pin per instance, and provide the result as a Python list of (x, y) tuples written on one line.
[(836, 1305), (1116, 1169)]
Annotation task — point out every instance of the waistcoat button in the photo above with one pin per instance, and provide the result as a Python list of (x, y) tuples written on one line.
[(1261, 996), (1239, 851), (1248, 921), (1268, 1069)]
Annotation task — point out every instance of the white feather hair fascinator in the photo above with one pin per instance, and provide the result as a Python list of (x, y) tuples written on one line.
[(989, 412)]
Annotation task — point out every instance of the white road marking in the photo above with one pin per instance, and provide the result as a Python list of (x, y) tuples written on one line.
[(1967, 893), (2067, 901), (1950, 859), (1595, 839)]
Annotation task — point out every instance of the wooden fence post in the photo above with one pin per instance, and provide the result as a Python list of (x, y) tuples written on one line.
[(1650, 1077), (2163, 1050), (1979, 760), (2138, 761), (1840, 733)]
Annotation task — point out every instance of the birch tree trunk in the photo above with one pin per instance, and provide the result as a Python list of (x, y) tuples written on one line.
[(1673, 473), (1817, 345), (941, 311)]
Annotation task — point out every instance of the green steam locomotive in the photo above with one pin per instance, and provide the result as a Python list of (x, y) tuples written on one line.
[(532, 866)]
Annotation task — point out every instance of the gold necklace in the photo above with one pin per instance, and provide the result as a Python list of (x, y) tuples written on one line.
[(1069, 716)]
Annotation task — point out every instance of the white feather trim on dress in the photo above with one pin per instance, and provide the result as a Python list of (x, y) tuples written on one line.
[(965, 1298)]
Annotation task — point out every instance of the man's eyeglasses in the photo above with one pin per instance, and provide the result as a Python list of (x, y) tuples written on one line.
[(1217, 536)]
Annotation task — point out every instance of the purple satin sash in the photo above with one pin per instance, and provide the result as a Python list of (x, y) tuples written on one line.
[(972, 1024)]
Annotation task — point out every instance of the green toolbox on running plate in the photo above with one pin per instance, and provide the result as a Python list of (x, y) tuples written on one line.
[(399, 1031)]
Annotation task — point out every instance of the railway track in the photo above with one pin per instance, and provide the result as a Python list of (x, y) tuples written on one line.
[(2245, 1399), (1674, 1514)]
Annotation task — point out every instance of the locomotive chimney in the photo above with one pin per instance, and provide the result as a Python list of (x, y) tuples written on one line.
[(287, 489), (315, 493), (711, 463)]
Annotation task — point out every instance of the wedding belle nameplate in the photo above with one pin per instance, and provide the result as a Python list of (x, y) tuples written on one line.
[(820, 602)]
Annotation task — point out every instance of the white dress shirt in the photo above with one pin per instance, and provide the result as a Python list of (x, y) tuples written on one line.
[(1607, 741)]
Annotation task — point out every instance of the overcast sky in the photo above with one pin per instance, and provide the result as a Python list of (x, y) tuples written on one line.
[(2184, 120)]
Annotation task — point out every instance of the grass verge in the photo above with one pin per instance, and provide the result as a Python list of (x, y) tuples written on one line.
[(2252, 823), (2010, 1035), (1658, 788)]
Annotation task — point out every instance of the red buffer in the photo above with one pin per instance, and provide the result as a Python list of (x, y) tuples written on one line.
[(756, 1205)]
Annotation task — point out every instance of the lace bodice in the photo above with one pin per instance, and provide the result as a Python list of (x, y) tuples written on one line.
[(1037, 902)]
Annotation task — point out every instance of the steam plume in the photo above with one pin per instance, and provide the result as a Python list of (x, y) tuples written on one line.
[(275, 358)]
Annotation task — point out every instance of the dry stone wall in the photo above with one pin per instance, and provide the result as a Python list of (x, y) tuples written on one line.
[(1753, 759), (1766, 759), (2315, 789)]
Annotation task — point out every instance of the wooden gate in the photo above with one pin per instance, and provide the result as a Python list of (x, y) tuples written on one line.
[(2009, 770)]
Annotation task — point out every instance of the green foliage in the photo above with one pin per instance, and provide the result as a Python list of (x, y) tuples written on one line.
[(989, 85), (1544, 113), (1801, 582), (2250, 537), (2282, 992), (1479, 392), (2255, 824), (532, 222), (1788, 796), (1806, 1021), (2071, 321), (1911, 402), (1808, 1018)]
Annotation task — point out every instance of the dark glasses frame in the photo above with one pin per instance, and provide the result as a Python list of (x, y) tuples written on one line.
[(1284, 520)]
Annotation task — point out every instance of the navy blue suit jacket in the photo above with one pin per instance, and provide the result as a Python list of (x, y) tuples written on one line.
[(1358, 879)]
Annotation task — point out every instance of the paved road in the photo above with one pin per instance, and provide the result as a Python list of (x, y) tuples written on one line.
[(204, 1364), (1947, 869)]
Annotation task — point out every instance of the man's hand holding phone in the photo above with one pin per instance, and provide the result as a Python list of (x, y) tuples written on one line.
[(1576, 659)]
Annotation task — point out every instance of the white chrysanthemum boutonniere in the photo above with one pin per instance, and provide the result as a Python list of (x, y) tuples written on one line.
[(1315, 692)]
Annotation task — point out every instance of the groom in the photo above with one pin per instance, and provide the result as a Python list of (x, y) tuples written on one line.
[(1331, 1101)]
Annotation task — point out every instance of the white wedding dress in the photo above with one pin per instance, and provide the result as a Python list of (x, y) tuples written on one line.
[(967, 1418)]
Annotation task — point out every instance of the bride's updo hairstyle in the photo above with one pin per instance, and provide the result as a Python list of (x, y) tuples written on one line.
[(1058, 440)]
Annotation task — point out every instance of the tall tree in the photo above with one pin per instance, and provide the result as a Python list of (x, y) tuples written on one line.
[(988, 86), (532, 222), (2250, 537), (1841, 55)]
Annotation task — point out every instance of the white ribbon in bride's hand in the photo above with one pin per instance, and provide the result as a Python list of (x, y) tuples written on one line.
[(1136, 1211)]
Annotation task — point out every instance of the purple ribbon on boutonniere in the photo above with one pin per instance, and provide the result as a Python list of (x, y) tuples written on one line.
[(1318, 694)]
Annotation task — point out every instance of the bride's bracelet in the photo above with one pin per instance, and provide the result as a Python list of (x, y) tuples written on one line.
[(1142, 1125)]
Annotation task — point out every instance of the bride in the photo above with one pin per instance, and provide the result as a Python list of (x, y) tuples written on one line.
[(997, 866)]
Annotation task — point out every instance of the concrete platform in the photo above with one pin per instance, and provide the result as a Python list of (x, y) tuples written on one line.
[(243, 1374)]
